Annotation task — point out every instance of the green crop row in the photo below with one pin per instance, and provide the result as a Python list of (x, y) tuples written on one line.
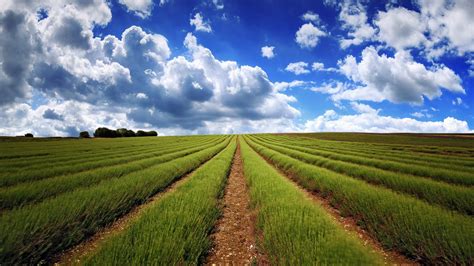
[(33, 233), (70, 157), (295, 230), (427, 233), (32, 192), (175, 229), (449, 176), (34, 175), (369, 152), (456, 198)]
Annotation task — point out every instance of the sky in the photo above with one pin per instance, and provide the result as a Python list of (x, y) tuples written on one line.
[(222, 67)]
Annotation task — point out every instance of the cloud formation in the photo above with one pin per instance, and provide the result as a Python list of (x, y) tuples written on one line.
[(199, 23), (397, 79), (267, 51), (308, 35)]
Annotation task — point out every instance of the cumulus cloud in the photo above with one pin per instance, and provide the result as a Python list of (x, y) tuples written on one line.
[(298, 68), (267, 51), (308, 35), (354, 19), (397, 79), (368, 119), (400, 28), (141, 8), (199, 23), (317, 66), (51, 114), (310, 16)]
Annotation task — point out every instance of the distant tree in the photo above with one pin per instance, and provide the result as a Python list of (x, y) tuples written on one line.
[(152, 133), (84, 135), (103, 132), (29, 135), (122, 132), (141, 133), (130, 133)]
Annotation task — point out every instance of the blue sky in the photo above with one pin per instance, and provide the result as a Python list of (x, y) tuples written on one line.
[(193, 67)]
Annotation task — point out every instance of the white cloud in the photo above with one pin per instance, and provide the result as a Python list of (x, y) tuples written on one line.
[(298, 68), (317, 66), (418, 114), (199, 23), (218, 4), (141, 8), (354, 19), (369, 120), (457, 101), (400, 28), (396, 79), (267, 51), (308, 35), (311, 17)]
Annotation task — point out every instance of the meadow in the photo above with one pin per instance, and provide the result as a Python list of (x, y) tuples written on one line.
[(315, 198)]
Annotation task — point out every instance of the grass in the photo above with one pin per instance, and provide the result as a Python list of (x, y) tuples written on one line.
[(427, 233), (449, 176), (174, 230), (456, 198), (32, 192), (34, 233), (295, 230)]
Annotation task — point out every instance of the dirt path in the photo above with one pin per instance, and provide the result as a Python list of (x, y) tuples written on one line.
[(79, 252), (349, 224), (234, 235)]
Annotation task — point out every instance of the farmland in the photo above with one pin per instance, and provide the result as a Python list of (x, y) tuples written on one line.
[(300, 199)]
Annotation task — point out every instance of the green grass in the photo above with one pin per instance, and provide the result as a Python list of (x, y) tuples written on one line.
[(32, 192), (456, 198), (48, 171), (295, 230), (36, 232), (427, 233), (449, 176), (174, 230)]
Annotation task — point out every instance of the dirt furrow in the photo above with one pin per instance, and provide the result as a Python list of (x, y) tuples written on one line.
[(349, 224), (234, 236)]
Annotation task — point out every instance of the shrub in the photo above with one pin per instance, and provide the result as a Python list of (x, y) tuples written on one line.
[(29, 135), (84, 135), (103, 132)]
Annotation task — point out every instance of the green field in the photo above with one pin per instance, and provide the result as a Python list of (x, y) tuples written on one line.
[(412, 196)]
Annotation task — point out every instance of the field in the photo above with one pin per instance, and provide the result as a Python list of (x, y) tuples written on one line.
[(279, 199)]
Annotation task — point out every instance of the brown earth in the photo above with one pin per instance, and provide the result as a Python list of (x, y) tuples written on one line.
[(349, 224), (235, 236)]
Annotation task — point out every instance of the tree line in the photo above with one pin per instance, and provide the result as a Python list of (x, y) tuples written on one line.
[(103, 132)]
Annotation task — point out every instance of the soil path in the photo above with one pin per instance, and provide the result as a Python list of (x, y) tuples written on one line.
[(349, 224), (234, 236), (75, 255)]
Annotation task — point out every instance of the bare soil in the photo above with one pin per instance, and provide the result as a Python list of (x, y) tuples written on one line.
[(234, 236)]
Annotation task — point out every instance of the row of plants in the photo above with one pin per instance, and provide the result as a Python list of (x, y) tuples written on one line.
[(456, 198), (33, 192), (35, 232), (417, 229), (175, 229), (449, 176)]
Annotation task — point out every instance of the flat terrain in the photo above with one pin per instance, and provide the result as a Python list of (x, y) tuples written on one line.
[(293, 199)]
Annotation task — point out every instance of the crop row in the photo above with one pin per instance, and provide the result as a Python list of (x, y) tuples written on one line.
[(174, 230), (34, 175), (31, 192), (295, 230), (35, 232), (67, 157), (452, 197), (413, 227), (449, 176), (372, 152)]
